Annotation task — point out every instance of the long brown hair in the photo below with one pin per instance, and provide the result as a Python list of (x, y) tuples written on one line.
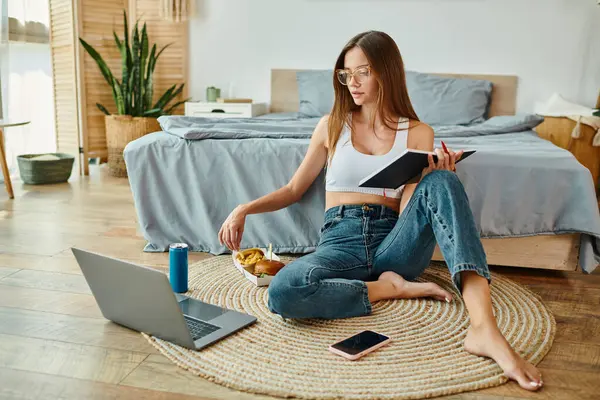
[(387, 68)]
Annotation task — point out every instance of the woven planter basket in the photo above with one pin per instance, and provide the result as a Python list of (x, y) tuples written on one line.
[(37, 172), (120, 130)]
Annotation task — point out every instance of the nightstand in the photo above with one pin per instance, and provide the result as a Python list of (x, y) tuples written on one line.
[(224, 110), (558, 131)]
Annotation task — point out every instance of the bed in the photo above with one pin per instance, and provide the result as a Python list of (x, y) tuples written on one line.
[(534, 204)]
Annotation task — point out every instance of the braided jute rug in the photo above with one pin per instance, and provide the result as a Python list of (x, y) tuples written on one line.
[(425, 358)]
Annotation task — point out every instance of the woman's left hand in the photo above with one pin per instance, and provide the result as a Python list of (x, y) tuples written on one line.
[(446, 161)]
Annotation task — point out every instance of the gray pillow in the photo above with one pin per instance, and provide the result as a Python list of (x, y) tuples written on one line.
[(315, 92), (437, 100), (448, 101)]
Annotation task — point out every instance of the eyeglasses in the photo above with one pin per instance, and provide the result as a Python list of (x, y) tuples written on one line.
[(360, 74)]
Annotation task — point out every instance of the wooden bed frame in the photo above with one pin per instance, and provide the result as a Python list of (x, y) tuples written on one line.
[(558, 252)]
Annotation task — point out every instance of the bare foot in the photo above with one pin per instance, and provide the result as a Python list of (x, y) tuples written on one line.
[(408, 290), (489, 342)]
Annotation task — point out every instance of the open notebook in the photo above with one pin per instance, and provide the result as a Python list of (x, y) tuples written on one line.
[(402, 169)]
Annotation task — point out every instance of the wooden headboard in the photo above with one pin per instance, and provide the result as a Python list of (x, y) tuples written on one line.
[(284, 91)]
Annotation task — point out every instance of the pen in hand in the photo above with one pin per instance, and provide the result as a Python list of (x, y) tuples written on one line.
[(447, 152), (445, 148)]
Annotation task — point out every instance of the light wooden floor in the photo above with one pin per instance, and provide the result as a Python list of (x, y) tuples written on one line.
[(54, 342)]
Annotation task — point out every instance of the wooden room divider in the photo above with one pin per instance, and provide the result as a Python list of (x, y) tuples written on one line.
[(78, 83)]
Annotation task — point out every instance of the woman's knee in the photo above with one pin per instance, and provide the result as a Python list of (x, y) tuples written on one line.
[(442, 185), (277, 296), (284, 291), (442, 178), (277, 291)]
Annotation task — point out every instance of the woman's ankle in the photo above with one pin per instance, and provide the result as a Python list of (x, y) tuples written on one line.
[(484, 325), (380, 290)]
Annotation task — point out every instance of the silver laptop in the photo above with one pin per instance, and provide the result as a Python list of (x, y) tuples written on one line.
[(142, 299)]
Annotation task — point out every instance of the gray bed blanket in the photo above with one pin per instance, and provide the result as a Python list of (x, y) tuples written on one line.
[(186, 180), (291, 127), (194, 128)]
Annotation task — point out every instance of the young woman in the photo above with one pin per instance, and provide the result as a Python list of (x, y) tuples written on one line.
[(375, 242)]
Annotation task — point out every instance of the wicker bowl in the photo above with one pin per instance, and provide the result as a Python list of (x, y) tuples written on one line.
[(37, 172)]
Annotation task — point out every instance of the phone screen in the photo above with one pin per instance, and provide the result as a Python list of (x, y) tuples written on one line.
[(360, 342)]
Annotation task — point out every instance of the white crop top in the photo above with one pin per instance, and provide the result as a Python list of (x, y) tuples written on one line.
[(349, 166)]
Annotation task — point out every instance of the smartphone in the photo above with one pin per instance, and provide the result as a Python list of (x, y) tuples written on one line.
[(359, 345)]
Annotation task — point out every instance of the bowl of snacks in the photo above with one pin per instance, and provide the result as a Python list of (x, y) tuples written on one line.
[(258, 265)]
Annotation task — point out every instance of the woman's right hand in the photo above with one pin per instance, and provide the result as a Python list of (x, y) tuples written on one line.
[(314, 161), (232, 229), (446, 161)]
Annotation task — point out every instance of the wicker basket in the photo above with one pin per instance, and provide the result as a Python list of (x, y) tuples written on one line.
[(37, 172), (120, 130)]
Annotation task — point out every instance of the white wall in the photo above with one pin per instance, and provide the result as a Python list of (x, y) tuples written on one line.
[(551, 45)]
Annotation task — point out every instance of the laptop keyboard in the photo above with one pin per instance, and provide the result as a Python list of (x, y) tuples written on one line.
[(199, 329)]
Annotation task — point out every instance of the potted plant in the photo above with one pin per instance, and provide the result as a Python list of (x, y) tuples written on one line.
[(136, 115)]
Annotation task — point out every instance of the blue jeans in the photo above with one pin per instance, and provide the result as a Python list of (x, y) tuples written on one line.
[(360, 242)]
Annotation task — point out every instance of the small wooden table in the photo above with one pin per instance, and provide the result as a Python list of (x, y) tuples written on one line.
[(3, 163)]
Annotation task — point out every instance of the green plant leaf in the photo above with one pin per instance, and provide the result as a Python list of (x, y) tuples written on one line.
[(172, 95), (174, 106), (596, 113), (149, 89), (151, 61), (131, 85), (165, 98), (143, 59), (144, 44), (133, 94), (126, 41), (163, 49), (125, 30), (124, 72), (117, 41), (119, 98), (102, 108), (155, 112), (104, 69), (125, 80), (135, 89), (126, 67)]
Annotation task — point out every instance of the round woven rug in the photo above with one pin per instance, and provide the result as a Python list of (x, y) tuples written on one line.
[(425, 358)]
